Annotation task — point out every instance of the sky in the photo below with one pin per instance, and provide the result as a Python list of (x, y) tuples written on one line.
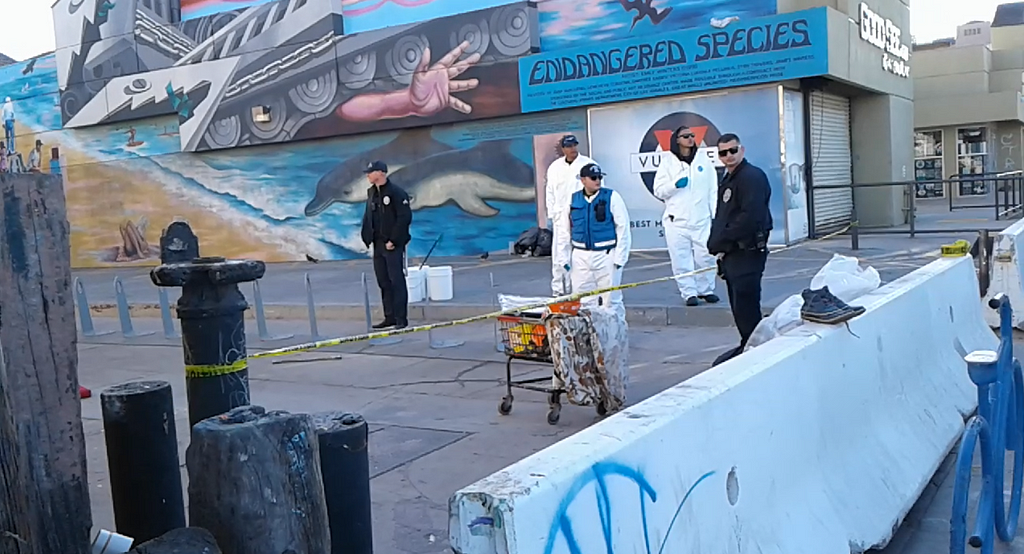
[(32, 34)]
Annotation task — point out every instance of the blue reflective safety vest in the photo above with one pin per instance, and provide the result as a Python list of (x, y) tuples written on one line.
[(593, 227)]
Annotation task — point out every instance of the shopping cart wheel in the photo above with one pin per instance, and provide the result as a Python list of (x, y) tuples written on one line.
[(506, 406), (601, 410), (554, 413)]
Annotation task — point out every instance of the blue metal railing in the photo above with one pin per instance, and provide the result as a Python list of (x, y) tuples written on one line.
[(999, 424)]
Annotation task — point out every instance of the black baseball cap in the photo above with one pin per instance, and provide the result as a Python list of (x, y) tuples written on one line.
[(376, 166), (591, 170), (569, 140)]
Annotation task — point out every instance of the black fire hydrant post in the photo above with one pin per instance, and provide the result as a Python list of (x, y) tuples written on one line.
[(142, 455), (211, 310), (345, 463)]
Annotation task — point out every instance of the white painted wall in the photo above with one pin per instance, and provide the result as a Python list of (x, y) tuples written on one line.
[(818, 442)]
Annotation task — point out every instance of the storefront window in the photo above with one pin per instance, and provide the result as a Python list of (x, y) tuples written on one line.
[(972, 158), (928, 163)]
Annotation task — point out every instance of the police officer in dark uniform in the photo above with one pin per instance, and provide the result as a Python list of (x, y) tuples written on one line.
[(386, 226), (739, 236)]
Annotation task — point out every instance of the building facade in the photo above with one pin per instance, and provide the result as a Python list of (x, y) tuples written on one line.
[(969, 108), (253, 119)]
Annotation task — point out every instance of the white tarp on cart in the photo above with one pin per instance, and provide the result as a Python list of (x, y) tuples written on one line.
[(590, 352)]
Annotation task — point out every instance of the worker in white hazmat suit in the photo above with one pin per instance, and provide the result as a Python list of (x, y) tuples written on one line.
[(598, 225), (686, 181), (561, 182)]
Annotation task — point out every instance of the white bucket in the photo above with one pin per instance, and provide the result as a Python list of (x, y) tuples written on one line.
[(439, 283), (416, 282)]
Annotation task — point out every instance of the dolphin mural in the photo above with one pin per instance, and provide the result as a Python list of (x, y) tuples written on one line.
[(467, 178), (339, 182)]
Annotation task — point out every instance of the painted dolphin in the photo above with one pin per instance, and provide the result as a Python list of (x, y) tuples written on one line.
[(468, 178), (346, 181), (465, 177)]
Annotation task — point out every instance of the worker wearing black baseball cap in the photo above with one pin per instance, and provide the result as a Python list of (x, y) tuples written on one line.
[(600, 238), (562, 180), (386, 224)]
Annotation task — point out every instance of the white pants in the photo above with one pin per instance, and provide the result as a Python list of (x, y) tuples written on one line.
[(592, 270), (688, 250), (560, 250)]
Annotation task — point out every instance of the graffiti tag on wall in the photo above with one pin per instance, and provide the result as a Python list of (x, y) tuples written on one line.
[(574, 522)]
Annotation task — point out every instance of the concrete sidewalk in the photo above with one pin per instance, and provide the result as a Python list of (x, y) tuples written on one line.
[(338, 294), (433, 414)]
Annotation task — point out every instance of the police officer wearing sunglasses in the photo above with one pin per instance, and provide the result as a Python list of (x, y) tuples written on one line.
[(739, 236)]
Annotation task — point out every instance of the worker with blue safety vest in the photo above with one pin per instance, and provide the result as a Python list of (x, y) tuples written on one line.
[(599, 232)]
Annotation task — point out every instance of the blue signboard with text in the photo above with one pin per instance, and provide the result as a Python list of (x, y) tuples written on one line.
[(763, 50)]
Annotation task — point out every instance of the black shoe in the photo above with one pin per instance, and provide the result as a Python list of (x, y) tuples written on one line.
[(691, 301), (821, 306), (402, 325), (384, 324), (710, 298)]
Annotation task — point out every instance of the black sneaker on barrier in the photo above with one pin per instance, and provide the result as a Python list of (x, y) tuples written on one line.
[(384, 325), (821, 306)]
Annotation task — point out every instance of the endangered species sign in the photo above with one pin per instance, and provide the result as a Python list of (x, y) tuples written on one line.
[(763, 50)]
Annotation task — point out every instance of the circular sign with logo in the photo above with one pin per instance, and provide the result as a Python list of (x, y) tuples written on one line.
[(659, 139)]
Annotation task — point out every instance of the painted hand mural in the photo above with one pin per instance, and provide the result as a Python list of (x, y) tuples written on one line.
[(429, 93)]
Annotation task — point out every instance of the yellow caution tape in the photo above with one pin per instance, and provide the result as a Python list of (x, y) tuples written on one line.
[(328, 343), (958, 249), (214, 370)]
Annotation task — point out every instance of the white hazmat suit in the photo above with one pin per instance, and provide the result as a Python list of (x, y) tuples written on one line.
[(690, 193), (597, 269), (563, 179)]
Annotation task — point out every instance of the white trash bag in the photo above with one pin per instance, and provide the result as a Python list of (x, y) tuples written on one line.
[(843, 276), (510, 302)]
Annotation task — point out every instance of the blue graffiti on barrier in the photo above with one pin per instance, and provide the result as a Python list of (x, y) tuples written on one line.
[(598, 474)]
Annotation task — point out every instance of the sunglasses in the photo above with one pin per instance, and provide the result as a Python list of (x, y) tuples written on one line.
[(727, 151), (686, 135), (598, 178)]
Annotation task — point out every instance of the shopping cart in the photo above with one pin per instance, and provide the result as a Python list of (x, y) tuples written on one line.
[(525, 337)]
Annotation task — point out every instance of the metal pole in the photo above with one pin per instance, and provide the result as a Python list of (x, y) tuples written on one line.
[(345, 464), (261, 316), (494, 302), (913, 213), (854, 229), (84, 315), (124, 312), (142, 457), (984, 265), (314, 331), (383, 341), (211, 310), (165, 315)]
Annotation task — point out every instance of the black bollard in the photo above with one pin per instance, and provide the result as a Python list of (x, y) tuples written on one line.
[(178, 244), (142, 456), (345, 465), (211, 310)]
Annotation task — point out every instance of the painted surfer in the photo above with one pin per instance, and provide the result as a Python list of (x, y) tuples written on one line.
[(132, 143)]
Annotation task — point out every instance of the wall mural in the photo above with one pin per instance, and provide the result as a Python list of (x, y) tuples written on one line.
[(194, 9), (571, 23), (289, 56), (476, 182)]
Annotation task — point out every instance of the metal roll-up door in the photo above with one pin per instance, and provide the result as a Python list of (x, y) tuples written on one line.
[(831, 160)]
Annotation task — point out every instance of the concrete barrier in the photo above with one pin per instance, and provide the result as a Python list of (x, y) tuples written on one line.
[(1006, 274), (817, 442)]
